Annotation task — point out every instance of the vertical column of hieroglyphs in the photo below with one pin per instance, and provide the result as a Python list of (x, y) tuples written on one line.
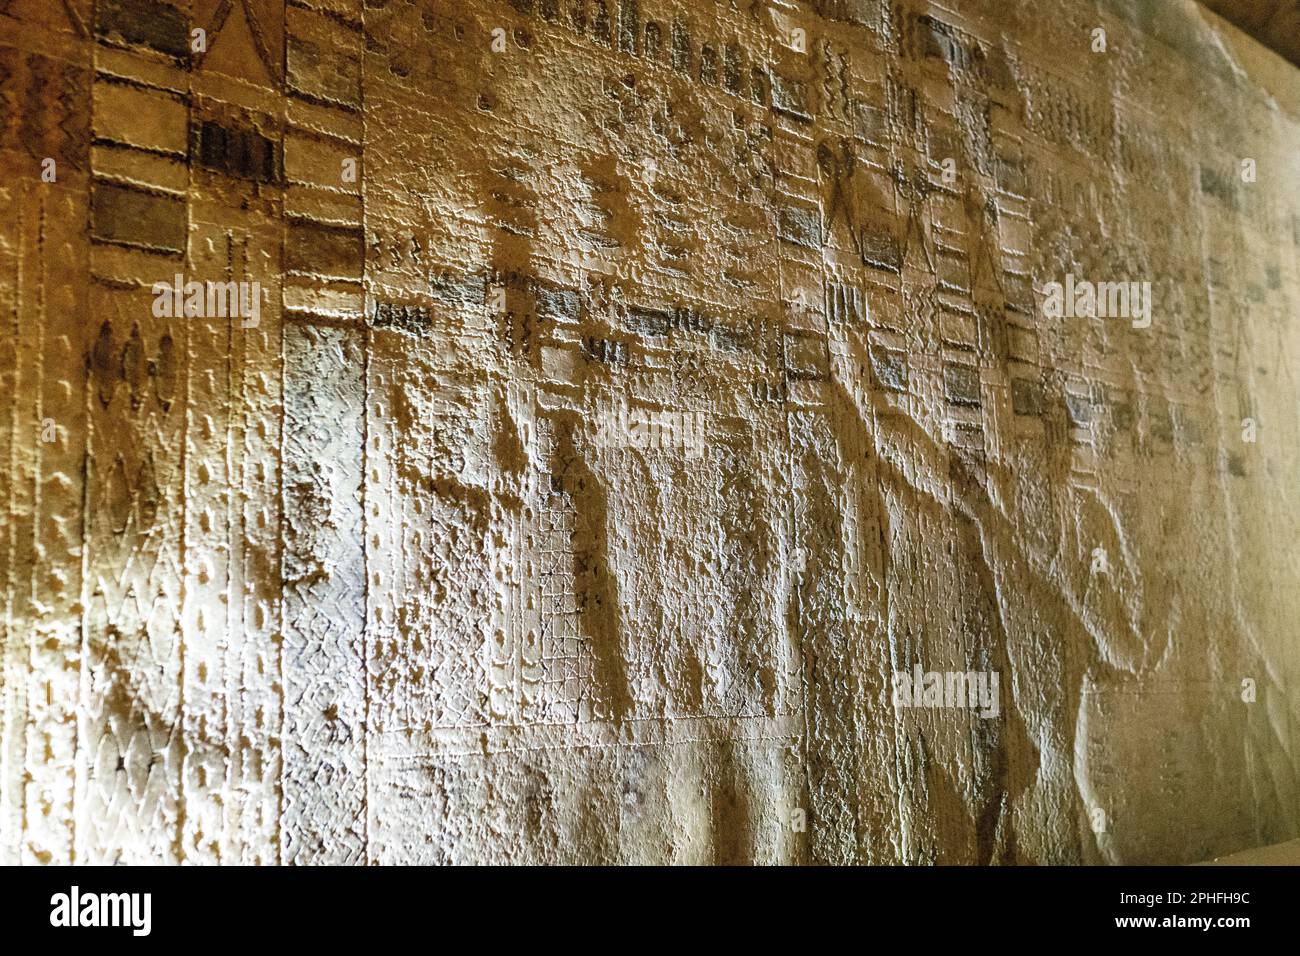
[(959, 72), (322, 454), (814, 95), (864, 163), (1040, 426), (995, 328), (864, 169), (45, 143), (913, 310), (130, 743), (1023, 412), (1026, 449), (942, 434), (885, 425), (965, 623), (232, 668), (885, 182), (1037, 391)]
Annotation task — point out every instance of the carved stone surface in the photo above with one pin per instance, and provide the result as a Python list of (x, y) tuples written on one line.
[(636, 391)]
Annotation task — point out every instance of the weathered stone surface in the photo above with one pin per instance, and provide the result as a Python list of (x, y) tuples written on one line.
[(153, 24), (135, 217), (636, 391)]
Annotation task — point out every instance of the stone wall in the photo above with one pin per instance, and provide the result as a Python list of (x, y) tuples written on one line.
[(635, 388)]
